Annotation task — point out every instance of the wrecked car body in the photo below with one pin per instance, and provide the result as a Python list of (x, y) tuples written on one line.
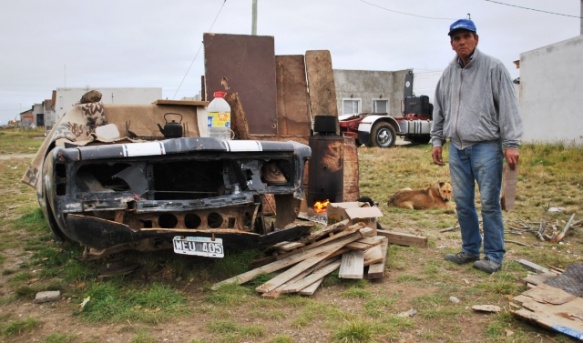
[(196, 195)]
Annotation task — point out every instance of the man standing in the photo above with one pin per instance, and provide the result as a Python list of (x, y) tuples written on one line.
[(476, 108)]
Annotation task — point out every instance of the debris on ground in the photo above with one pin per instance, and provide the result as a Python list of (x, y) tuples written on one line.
[(47, 296), (553, 299), (486, 308), (545, 231), (355, 250)]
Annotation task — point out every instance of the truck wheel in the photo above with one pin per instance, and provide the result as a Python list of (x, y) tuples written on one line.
[(383, 135)]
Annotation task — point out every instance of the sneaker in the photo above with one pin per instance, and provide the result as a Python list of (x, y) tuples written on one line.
[(487, 266), (461, 257)]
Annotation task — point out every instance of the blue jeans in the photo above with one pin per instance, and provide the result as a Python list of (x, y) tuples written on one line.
[(482, 163)]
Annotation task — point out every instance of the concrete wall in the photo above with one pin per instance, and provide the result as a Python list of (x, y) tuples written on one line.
[(551, 93), (368, 86), (374, 85)]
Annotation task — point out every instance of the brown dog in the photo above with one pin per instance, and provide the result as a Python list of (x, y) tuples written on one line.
[(436, 195)]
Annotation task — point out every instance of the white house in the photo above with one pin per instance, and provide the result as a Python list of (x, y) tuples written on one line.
[(551, 89)]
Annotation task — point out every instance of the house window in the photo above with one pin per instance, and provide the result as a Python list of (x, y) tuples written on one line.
[(350, 106), (380, 106)]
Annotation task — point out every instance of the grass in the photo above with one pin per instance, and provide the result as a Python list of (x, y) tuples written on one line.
[(20, 141), (171, 293)]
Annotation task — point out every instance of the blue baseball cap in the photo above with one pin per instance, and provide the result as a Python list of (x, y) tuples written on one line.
[(462, 24)]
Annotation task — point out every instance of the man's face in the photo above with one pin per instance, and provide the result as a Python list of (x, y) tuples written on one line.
[(464, 42)]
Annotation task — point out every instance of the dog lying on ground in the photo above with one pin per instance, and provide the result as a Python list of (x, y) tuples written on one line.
[(435, 196)]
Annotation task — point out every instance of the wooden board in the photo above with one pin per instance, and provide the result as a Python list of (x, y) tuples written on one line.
[(247, 62), (352, 266), (373, 255), (509, 181), (377, 270), (350, 190), (293, 115), (366, 243), (321, 84), (318, 274), (293, 259), (292, 272), (405, 239), (532, 266), (537, 279), (565, 316), (181, 102), (311, 289)]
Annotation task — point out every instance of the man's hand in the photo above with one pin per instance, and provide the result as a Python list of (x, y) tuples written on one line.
[(437, 156), (511, 156)]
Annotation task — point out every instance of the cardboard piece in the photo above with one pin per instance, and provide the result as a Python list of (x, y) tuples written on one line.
[(355, 212)]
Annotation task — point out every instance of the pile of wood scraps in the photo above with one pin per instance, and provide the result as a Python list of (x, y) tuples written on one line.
[(355, 250), (553, 299), (552, 232)]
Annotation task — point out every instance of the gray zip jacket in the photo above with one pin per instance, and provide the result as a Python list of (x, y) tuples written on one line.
[(476, 103)]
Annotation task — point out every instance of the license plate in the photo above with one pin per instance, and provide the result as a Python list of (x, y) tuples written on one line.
[(199, 246)]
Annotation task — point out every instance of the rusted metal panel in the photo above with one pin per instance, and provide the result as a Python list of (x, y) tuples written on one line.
[(321, 83), (326, 169), (244, 64), (293, 114)]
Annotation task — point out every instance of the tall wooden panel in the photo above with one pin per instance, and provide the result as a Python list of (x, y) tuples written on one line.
[(321, 83), (246, 65), (293, 114)]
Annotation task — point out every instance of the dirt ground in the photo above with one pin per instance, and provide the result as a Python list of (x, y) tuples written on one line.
[(59, 317)]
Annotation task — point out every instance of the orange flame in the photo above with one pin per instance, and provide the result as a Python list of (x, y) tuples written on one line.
[(321, 206)]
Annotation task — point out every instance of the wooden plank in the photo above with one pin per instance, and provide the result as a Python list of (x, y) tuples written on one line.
[(399, 238), (350, 171), (350, 230), (276, 292), (377, 270), (366, 243), (544, 293), (509, 180), (562, 314), (537, 279), (292, 272), (352, 266), (321, 84), (312, 278), (311, 289), (373, 255), (181, 102), (291, 246), (300, 267), (328, 230), (290, 260), (239, 121), (533, 266), (247, 62), (293, 114)]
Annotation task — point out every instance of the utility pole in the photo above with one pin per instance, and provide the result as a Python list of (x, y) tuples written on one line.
[(254, 19), (581, 19)]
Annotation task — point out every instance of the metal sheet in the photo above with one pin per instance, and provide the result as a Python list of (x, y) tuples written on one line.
[(244, 64)]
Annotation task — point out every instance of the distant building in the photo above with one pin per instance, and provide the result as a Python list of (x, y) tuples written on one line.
[(38, 115), (65, 98), (27, 119), (370, 91), (550, 93)]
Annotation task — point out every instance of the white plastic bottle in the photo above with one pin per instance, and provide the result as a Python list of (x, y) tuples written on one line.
[(219, 117)]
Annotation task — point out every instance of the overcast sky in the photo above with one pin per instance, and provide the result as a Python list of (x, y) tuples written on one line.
[(155, 43)]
